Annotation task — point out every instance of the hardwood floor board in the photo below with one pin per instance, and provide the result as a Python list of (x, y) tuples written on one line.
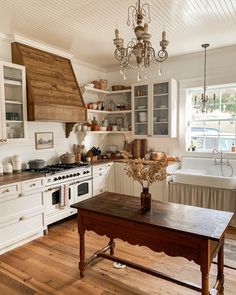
[(51, 256), (49, 265), (14, 286)]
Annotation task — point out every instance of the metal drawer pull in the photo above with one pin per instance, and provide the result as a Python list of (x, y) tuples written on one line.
[(33, 184), (6, 191), (22, 218), (21, 195)]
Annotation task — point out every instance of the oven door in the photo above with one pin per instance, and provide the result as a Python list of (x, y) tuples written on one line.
[(82, 190), (53, 197)]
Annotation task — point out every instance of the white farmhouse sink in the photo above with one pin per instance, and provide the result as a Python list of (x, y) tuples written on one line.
[(203, 172)]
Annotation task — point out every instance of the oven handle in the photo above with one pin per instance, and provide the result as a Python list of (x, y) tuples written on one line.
[(83, 180), (57, 186), (71, 183)]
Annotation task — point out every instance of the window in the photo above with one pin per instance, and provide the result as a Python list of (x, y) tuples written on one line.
[(215, 127)]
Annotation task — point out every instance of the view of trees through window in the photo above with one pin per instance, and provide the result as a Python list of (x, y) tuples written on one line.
[(213, 127)]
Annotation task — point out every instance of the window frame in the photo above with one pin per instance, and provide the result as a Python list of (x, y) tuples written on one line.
[(190, 120)]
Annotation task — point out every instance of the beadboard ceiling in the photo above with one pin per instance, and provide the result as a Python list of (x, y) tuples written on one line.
[(86, 27)]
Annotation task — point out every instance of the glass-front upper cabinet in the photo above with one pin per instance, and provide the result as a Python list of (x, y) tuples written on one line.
[(155, 109), (161, 108), (140, 109), (13, 102)]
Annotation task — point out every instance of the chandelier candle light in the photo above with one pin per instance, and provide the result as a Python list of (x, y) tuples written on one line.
[(139, 51)]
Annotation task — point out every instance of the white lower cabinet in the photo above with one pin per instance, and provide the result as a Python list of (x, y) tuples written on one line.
[(22, 213), (103, 178)]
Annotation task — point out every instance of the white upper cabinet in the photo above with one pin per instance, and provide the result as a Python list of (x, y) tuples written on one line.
[(155, 109), (13, 114)]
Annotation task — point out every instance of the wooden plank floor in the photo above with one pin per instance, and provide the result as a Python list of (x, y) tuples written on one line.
[(49, 265)]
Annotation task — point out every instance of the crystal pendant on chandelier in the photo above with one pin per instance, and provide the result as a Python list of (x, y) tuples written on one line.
[(139, 51)]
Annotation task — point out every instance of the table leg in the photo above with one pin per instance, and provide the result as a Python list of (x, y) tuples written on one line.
[(220, 268), (205, 284), (82, 264), (112, 246)]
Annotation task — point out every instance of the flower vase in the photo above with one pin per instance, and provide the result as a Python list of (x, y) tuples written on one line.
[(146, 199)]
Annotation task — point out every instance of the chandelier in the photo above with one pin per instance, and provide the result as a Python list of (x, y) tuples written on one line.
[(139, 52), (204, 97)]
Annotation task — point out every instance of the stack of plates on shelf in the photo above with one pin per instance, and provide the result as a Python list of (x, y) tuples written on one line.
[(141, 107)]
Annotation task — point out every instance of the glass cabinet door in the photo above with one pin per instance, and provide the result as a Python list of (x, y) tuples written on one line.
[(141, 110), (161, 108), (14, 102)]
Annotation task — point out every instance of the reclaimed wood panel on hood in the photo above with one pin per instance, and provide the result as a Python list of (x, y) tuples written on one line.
[(53, 93)]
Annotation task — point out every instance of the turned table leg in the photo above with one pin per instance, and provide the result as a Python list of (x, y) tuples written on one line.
[(112, 246), (220, 268), (82, 254), (205, 284)]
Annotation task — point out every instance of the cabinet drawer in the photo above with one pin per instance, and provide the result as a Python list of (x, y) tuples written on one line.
[(99, 169), (32, 184), (20, 205), (20, 228), (9, 190)]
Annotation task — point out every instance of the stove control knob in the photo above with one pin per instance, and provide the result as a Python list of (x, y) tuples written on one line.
[(74, 174), (63, 177), (87, 171), (59, 177), (71, 175), (55, 179), (78, 173), (84, 172), (67, 176)]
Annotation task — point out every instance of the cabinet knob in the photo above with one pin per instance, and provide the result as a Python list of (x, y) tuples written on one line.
[(22, 218), (33, 184), (21, 195), (4, 140), (6, 191)]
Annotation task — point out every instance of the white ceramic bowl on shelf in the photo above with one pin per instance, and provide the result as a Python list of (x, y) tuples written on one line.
[(91, 85)]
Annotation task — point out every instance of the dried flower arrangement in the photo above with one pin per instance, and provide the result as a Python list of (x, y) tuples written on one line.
[(147, 172)]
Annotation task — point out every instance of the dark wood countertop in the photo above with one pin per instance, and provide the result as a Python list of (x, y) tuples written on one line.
[(18, 177), (183, 218)]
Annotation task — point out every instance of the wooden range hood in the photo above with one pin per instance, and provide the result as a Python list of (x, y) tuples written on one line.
[(53, 93)]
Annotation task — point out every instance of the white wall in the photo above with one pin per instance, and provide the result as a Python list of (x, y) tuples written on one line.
[(188, 70), (84, 73)]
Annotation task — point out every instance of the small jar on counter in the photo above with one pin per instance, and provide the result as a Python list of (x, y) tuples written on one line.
[(7, 168), (1, 169)]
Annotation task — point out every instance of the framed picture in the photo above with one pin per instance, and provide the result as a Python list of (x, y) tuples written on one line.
[(44, 140)]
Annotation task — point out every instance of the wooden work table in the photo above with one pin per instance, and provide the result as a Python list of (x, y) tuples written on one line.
[(178, 230)]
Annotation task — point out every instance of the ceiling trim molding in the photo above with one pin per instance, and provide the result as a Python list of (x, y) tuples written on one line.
[(42, 46), (88, 65)]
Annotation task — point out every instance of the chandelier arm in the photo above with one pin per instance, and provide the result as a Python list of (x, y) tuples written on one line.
[(129, 14), (160, 55), (148, 10)]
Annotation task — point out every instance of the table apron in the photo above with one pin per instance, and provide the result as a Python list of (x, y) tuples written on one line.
[(158, 239)]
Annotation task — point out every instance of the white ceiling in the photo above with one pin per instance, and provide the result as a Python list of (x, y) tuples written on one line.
[(86, 27)]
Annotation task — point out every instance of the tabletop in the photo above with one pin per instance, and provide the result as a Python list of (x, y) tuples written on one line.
[(207, 223)]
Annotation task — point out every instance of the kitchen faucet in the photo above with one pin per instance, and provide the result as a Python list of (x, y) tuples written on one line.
[(215, 151)]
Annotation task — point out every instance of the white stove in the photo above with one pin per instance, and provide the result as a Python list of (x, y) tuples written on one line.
[(65, 185)]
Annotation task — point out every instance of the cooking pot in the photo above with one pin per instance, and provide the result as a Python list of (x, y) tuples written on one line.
[(67, 158), (36, 164)]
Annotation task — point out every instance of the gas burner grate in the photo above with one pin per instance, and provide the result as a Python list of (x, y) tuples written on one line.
[(52, 169)]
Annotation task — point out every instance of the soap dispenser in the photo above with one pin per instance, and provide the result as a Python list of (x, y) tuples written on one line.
[(233, 147)]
